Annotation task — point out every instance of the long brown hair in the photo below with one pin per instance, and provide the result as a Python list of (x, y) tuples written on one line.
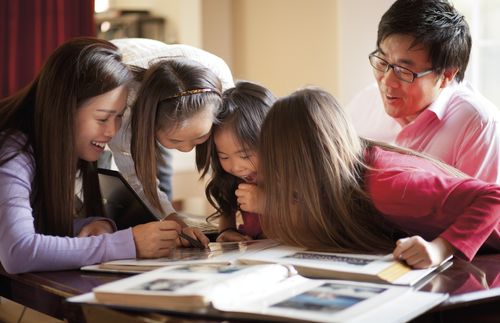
[(313, 163), (172, 91), (243, 111), (44, 113)]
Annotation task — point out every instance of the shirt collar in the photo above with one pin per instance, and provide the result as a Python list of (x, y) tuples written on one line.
[(439, 106)]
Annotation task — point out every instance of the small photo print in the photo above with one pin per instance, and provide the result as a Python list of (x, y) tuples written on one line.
[(327, 257), (209, 268), (330, 298), (216, 249), (186, 254), (230, 247), (163, 285)]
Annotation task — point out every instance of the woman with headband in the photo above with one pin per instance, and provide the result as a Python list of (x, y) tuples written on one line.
[(177, 98)]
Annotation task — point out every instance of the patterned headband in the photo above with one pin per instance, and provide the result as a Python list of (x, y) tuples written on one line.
[(191, 92)]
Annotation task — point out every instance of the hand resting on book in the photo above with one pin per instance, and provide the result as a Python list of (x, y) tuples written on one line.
[(419, 253)]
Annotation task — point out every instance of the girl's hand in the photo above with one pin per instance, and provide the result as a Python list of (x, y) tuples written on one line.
[(96, 228), (250, 198), (194, 233), (155, 239), (232, 236), (419, 253)]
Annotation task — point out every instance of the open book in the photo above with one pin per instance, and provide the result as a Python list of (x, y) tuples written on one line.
[(270, 292), (359, 267), (223, 253)]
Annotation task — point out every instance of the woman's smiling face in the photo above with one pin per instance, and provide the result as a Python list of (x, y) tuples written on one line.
[(96, 122)]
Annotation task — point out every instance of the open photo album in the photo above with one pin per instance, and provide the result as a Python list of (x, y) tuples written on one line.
[(265, 292), (223, 253), (312, 264), (360, 267)]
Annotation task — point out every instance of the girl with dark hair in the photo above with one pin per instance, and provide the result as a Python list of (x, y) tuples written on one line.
[(51, 134), (231, 154), (328, 189)]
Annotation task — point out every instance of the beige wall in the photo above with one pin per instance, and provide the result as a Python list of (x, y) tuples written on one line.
[(285, 44), (217, 28), (282, 44)]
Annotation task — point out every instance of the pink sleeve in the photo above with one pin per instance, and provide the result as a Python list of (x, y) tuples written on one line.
[(480, 218), (479, 152), (465, 212)]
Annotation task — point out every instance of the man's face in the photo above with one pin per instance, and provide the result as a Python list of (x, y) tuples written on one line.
[(402, 100)]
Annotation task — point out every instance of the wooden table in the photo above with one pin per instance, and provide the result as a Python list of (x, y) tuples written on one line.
[(474, 290)]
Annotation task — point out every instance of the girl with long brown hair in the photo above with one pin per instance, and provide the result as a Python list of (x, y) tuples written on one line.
[(326, 188), (51, 134)]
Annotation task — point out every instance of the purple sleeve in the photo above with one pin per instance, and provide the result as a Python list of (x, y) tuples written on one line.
[(24, 250), (79, 223)]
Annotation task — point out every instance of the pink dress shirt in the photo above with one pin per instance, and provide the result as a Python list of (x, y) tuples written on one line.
[(460, 128), (421, 199)]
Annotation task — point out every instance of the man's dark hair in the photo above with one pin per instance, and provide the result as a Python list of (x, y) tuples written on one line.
[(435, 24)]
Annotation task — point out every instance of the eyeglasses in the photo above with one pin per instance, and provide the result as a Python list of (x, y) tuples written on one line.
[(401, 73)]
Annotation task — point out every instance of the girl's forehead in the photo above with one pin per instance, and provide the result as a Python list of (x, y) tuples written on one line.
[(191, 128), (223, 131)]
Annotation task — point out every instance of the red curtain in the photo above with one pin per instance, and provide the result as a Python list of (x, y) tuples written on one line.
[(31, 29)]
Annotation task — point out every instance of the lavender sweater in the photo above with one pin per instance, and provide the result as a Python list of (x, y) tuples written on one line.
[(24, 250)]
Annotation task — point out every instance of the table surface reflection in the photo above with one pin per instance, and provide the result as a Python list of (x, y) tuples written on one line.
[(467, 283)]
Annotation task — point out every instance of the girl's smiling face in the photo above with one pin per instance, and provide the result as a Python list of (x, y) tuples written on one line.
[(235, 159)]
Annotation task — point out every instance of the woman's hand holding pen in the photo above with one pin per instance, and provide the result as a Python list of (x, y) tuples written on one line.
[(250, 198), (188, 236), (419, 253), (155, 239), (192, 237)]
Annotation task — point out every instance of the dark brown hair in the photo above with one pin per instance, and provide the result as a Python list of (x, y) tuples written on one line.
[(44, 113)]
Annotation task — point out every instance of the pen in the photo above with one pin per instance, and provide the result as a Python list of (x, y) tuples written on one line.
[(195, 243)]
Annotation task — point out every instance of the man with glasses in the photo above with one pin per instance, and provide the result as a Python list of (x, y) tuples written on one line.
[(423, 49)]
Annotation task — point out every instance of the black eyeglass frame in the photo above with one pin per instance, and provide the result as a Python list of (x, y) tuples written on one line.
[(396, 68)]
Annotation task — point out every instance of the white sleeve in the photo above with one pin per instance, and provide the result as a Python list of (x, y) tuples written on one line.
[(120, 146), (143, 52)]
